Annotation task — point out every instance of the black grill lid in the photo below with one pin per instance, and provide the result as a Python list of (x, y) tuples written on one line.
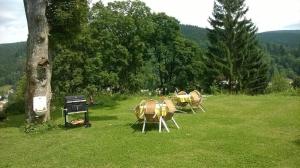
[(72, 99)]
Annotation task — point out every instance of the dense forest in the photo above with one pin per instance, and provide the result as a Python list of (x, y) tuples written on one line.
[(282, 46), (125, 47), (285, 57), (12, 62)]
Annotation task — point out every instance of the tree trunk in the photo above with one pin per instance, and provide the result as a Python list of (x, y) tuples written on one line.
[(38, 69)]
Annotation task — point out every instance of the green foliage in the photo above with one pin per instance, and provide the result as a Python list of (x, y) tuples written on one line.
[(12, 62), (66, 18), (215, 89), (177, 61), (296, 82), (69, 48), (121, 31), (196, 34), (289, 38), (283, 47), (279, 83), (285, 59), (4, 89), (16, 103), (35, 128), (123, 47), (233, 52)]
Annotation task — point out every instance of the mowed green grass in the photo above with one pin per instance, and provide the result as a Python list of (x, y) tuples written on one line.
[(236, 131)]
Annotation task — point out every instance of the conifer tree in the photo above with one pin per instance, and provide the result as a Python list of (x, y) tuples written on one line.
[(234, 54)]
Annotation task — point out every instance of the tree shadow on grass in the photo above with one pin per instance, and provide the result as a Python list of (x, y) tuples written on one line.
[(110, 102), (16, 120), (108, 105), (91, 121), (185, 111), (103, 118), (138, 126), (297, 142), (70, 126)]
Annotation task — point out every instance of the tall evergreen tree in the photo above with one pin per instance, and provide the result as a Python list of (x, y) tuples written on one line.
[(234, 54)]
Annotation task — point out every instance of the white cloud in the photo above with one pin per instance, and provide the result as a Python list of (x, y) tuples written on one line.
[(274, 15), (13, 26), (192, 12)]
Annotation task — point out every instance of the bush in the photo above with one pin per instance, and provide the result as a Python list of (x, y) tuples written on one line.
[(279, 83), (36, 128), (215, 89), (16, 102), (16, 107), (2, 115), (296, 82)]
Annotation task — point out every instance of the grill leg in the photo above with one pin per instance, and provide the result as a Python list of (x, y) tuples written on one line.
[(86, 119), (65, 116)]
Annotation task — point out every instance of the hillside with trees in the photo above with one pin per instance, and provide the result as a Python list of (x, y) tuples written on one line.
[(12, 62), (195, 33), (116, 49), (285, 56), (288, 38), (283, 47)]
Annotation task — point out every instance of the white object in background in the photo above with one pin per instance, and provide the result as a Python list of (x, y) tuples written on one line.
[(40, 105)]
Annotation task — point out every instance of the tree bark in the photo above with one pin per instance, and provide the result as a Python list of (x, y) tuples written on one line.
[(38, 69)]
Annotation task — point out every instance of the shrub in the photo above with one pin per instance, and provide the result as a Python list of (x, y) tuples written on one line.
[(296, 82), (279, 83), (16, 103)]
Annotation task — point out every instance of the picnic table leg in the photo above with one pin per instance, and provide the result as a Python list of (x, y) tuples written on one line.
[(165, 125), (144, 125), (180, 110), (175, 122), (160, 121), (202, 108), (192, 108)]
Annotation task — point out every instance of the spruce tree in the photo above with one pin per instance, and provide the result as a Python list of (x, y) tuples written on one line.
[(234, 54)]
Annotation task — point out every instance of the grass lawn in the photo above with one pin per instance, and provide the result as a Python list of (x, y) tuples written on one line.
[(236, 131)]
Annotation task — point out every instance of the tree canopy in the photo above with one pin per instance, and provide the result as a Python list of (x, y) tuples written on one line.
[(121, 45), (234, 55)]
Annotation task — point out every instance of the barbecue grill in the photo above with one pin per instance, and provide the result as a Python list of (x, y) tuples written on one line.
[(76, 105)]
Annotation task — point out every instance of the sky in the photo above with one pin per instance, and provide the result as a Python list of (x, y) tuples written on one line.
[(267, 15)]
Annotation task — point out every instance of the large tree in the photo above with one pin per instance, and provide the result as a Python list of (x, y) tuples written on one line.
[(234, 54), (38, 67), (120, 33), (177, 61), (68, 46)]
